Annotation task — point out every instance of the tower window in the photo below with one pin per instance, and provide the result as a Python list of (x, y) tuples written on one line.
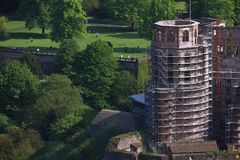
[(185, 36), (159, 36), (170, 36)]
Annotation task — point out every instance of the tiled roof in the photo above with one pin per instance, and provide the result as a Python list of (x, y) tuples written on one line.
[(193, 147)]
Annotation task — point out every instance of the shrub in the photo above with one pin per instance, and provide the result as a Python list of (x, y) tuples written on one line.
[(3, 31)]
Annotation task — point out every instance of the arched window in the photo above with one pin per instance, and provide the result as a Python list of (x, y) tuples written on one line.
[(170, 36), (159, 36), (185, 36)]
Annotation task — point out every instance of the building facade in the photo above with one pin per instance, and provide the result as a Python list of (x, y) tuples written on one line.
[(179, 92)]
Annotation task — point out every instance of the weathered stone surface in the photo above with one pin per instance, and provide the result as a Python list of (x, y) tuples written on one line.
[(123, 142)]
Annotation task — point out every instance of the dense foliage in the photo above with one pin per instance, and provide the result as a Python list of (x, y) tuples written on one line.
[(95, 72), (155, 11), (130, 11), (237, 10), (36, 13), (17, 144), (68, 20), (9, 6), (18, 89), (91, 6), (124, 85), (221, 9), (3, 31), (58, 101), (32, 63), (68, 50)]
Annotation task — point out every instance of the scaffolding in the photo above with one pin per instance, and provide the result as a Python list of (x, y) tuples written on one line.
[(179, 94)]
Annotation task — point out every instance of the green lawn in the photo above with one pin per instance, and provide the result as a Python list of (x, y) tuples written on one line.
[(181, 6), (119, 37)]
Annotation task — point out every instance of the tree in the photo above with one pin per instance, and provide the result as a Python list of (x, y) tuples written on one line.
[(221, 9), (68, 20), (36, 13), (18, 89), (3, 31), (19, 144), (157, 10), (91, 6), (130, 11), (124, 85), (5, 123), (107, 8), (9, 6), (58, 98), (95, 72), (237, 10), (64, 124), (199, 8), (65, 57), (32, 62)]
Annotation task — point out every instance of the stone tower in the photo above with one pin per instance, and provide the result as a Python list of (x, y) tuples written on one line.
[(179, 92)]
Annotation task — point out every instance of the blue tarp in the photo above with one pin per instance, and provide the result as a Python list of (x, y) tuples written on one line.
[(139, 98)]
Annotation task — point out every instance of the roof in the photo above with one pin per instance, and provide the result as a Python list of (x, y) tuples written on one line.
[(177, 23), (123, 120), (139, 98), (193, 147)]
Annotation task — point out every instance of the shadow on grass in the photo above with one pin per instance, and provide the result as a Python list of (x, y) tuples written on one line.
[(101, 29), (22, 35), (34, 49), (131, 50), (127, 35), (53, 150)]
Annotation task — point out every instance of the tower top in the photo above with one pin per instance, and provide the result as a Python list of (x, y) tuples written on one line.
[(177, 23), (176, 34)]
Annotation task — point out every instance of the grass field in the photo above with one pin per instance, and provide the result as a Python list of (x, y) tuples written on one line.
[(181, 6), (120, 38)]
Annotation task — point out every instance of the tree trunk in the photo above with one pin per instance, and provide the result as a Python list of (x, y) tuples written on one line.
[(132, 26), (43, 32)]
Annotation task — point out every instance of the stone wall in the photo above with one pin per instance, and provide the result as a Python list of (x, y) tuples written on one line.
[(206, 157), (149, 156), (46, 60)]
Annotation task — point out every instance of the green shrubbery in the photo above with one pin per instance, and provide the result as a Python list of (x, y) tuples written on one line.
[(18, 144), (3, 30)]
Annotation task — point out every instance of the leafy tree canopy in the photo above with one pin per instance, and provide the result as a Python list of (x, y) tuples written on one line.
[(18, 88), (124, 85), (91, 6), (18, 144), (130, 10), (32, 62), (157, 10), (95, 72), (36, 13), (65, 57), (237, 10), (68, 20), (222, 9), (58, 99), (3, 31)]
